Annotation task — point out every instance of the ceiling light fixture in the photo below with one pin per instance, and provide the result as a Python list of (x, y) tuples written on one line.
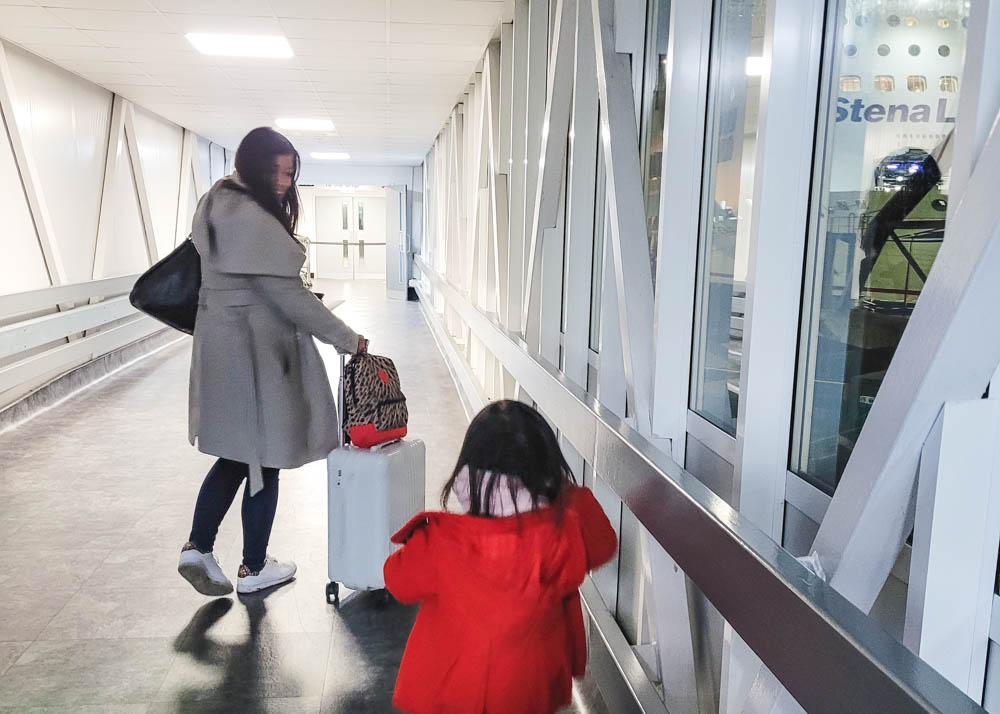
[(305, 124), (220, 45), (330, 155)]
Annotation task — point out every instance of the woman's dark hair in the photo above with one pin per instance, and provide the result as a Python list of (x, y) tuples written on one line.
[(509, 438), (255, 159)]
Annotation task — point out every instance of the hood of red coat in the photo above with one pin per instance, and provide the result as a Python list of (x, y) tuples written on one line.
[(536, 558)]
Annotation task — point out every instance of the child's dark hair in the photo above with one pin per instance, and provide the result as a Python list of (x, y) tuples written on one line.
[(510, 438)]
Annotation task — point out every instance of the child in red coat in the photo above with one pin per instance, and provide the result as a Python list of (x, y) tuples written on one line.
[(500, 627)]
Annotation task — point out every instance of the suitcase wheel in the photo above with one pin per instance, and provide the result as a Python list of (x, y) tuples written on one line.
[(333, 593)]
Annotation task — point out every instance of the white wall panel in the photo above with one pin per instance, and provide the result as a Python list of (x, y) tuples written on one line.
[(350, 175), (203, 163), (217, 156), (160, 144), (64, 121), (126, 247), (22, 267), (192, 204)]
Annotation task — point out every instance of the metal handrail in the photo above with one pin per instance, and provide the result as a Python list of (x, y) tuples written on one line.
[(46, 298), (82, 321), (828, 654)]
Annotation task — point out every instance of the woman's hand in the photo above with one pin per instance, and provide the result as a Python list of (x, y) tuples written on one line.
[(362, 345)]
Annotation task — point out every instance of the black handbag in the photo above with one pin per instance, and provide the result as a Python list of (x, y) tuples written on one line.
[(168, 291)]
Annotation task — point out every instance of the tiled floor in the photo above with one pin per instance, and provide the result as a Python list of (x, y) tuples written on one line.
[(96, 497)]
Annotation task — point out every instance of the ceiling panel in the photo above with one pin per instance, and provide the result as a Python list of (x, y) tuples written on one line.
[(386, 72), (234, 8), (331, 10), (249, 25), (123, 5), (114, 20), (463, 12)]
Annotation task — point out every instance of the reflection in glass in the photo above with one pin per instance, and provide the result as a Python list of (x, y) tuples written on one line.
[(880, 205), (653, 108), (734, 99), (885, 83), (850, 83)]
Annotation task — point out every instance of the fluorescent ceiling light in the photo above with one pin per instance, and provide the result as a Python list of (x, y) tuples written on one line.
[(305, 124), (330, 155), (240, 45), (756, 66)]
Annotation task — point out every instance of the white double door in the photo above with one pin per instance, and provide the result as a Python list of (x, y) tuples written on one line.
[(350, 237)]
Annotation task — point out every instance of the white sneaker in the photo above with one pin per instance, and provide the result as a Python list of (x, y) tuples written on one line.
[(203, 571), (273, 573)]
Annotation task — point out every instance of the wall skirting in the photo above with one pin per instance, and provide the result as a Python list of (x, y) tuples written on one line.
[(82, 377)]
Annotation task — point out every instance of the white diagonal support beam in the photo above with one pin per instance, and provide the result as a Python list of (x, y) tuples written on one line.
[(105, 219), (782, 169), (552, 164), (518, 140), (30, 181), (148, 229), (630, 248), (189, 150), (498, 169), (686, 91), (948, 357), (956, 530), (581, 196)]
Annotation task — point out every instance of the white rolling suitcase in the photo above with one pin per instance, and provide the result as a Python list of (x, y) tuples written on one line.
[(371, 494)]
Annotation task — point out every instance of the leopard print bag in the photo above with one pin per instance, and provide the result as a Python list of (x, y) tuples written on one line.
[(374, 406)]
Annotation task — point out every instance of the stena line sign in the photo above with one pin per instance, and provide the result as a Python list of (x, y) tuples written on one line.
[(857, 111)]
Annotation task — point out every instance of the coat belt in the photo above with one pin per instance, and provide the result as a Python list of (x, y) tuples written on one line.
[(210, 297)]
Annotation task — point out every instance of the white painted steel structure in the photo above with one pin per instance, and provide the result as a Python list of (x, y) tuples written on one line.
[(96, 190), (529, 205)]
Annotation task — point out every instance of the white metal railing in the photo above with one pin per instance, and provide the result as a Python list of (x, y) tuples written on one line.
[(821, 648), (80, 322)]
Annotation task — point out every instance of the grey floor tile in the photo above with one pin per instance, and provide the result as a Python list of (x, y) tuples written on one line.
[(365, 651), (136, 569), (141, 708), (249, 667), (296, 705), (107, 481), (9, 652), (25, 613), (65, 569), (87, 672), (95, 612)]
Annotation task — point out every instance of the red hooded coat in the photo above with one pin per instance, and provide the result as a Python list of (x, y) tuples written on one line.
[(500, 627)]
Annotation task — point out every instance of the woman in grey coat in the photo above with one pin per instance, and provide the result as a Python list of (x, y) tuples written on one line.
[(260, 399)]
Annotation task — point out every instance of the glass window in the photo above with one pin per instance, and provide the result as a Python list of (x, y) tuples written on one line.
[(653, 109), (879, 206), (361, 216), (734, 99), (850, 83), (885, 83), (343, 215)]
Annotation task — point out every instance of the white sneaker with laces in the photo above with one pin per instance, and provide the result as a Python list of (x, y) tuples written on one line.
[(273, 573), (203, 571)]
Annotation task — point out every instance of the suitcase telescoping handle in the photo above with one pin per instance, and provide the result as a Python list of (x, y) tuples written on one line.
[(341, 408)]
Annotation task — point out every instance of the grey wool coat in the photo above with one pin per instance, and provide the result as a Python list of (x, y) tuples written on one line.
[(259, 393)]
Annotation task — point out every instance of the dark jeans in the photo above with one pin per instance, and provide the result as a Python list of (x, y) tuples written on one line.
[(216, 496)]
